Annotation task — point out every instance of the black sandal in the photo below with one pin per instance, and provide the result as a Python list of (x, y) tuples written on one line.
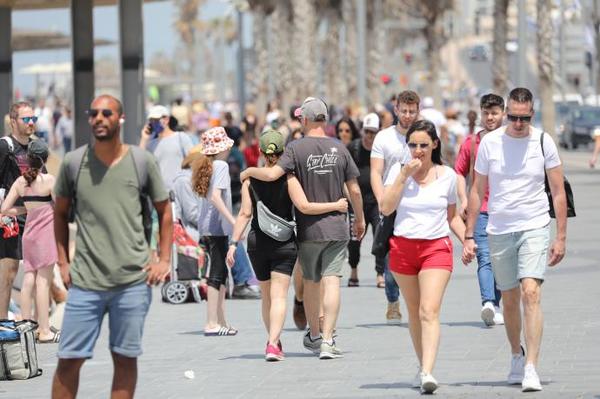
[(353, 282)]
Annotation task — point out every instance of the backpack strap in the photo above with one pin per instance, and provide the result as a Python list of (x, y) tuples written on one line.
[(472, 158), (9, 142), (74, 168), (141, 167)]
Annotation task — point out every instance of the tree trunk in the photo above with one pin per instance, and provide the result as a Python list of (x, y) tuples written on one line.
[(545, 72), (259, 73), (376, 42), (281, 22), (332, 54), (434, 36), (500, 56), (350, 45), (305, 62)]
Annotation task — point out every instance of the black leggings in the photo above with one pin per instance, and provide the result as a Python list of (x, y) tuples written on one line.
[(371, 212), (217, 247)]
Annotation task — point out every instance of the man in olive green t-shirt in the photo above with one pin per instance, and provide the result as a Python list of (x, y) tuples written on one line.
[(112, 271)]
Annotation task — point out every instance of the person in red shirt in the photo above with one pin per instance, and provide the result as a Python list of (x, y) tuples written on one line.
[(492, 115)]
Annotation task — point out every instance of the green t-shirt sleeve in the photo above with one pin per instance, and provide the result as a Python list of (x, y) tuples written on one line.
[(61, 187), (156, 187)]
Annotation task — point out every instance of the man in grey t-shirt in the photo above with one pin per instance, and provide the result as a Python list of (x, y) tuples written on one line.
[(323, 166)]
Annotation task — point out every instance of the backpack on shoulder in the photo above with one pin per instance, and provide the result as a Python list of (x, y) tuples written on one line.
[(18, 354), (9, 170), (141, 171)]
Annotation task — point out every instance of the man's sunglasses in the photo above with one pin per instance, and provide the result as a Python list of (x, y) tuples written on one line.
[(27, 119), (422, 146), (92, 113), (522, 118)]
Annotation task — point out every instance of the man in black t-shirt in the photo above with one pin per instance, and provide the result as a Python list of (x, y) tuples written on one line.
[(13, 162), (360, 150)]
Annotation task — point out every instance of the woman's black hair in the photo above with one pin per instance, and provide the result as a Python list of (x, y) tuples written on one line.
[(350, 122), (429, 128)]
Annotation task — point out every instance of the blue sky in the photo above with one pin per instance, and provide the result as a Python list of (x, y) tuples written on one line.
[(159, 34)]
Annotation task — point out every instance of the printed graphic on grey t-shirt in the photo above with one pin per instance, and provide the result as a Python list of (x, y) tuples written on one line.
[(322, 164)]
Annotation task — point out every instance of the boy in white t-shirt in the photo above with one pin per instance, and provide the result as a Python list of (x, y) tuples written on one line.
[(511, 162), (388, 149)]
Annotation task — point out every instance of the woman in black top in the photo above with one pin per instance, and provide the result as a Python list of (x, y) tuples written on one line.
[(272, 260)]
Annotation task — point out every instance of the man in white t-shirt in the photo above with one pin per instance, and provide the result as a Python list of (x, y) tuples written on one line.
[(437, 117), (388, 149), (511, 161)]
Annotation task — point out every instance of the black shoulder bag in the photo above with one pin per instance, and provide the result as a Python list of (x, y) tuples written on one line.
[(568, 191)]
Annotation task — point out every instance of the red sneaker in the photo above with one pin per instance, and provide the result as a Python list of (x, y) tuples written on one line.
[(273, 353)]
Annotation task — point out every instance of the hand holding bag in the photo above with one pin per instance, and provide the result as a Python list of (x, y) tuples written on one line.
[(382, 235)]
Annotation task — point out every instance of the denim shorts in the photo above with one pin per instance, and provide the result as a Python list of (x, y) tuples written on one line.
[(519, 255), (126, 307)]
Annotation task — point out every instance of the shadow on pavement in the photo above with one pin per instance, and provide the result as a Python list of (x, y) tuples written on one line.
[(381, 325), (475, 324), (255, 356), (492, 384), (392, 385)]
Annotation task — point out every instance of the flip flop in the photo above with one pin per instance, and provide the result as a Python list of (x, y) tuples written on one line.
[(54, 340), (353, 282), (221, 332)]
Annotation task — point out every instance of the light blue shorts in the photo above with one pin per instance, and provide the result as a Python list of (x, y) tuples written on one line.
[(519, 255), (126, 307)]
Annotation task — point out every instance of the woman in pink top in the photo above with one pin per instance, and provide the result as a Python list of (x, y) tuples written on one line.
[(32, 194)]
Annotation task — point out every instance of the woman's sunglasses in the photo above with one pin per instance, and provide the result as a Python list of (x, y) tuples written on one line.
[(422, 146)]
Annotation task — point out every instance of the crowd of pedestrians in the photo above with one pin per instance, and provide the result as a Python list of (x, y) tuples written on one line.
[(308, 187)]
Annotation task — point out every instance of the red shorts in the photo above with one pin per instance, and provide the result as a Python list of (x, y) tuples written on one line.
[(410, 256)]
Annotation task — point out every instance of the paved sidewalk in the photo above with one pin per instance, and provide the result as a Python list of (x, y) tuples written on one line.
[(379, 361)]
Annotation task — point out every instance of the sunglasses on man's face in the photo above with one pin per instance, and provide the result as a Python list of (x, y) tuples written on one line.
[(422, 146), (92, 113), (27, 119), (522, 118)]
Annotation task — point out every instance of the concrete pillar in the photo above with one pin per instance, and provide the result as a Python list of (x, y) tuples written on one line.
[(5, 64), (132, 68), (82, 37)]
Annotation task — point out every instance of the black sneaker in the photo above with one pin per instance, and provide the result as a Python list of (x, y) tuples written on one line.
[(244, 291)]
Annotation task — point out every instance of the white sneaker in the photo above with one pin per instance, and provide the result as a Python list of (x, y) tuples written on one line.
[(417, 380), (428, 383), (498, 316), (531, 381), (517, 366), (487, 313)]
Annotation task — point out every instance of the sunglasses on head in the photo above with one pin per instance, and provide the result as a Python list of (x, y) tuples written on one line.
[(92, 113), (28, 119), (522, 118), (422, 146)]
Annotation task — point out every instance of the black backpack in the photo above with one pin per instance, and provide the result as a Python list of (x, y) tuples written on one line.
[(141, 170), (9, 170)]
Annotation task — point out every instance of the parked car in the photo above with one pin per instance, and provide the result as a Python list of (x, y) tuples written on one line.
[(562, 110), (478, 52), (581, 126)]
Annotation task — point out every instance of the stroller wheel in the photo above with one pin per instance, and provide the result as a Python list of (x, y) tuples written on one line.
[(175, 292)]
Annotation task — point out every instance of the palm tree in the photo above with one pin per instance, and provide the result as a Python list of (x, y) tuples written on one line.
[(545, 72), (500, 56), (261, 9), (349, 58), (305, 63), (281, 23), (432, 12), (187, 24)]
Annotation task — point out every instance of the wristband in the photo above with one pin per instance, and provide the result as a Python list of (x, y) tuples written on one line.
[(469, 238), (233, 243)]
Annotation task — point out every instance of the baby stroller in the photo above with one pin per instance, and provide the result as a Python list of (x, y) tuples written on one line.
[(189, 261)]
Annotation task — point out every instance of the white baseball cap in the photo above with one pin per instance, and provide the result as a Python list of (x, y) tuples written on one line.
[(158, 111), (371, 122)]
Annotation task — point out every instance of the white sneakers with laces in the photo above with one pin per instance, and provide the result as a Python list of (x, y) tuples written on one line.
[(487, 313), (531, 380), (517, 368), (498, 316), (428, 383)]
